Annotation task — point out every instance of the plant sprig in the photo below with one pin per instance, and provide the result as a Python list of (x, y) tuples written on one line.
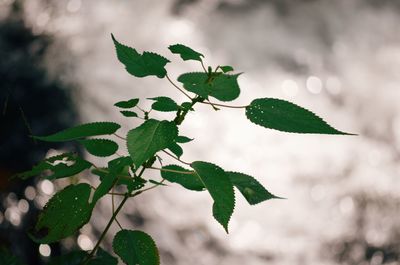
[(71, 208)]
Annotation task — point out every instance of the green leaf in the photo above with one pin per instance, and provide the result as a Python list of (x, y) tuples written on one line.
[(108, 179), (223, 87), (185, 52), (220, 188), (285, 116), (127, 104), (140, 65), (226, 68), (250, 188), (188, 179), (176, 149), (103, 258), (81, 131), (183, 139), (136, 248), (100, 147), (128, 113), (66, 212), (164, 104), (150, 137), (59, 166)]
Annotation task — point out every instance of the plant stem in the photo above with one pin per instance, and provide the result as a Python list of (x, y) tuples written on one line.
[(174, 157), (103, 234), (180, 89), (223, 105), (120, 137), (202, 65), (171, 170)]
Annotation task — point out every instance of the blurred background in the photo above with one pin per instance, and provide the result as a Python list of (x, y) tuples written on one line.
[(340, 59)]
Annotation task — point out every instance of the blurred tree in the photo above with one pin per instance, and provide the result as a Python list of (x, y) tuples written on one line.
[(31, 103)]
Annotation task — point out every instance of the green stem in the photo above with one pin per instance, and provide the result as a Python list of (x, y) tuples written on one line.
[(103, 234), (113, 217)]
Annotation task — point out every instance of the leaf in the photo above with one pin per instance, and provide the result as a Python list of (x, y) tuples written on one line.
[(136, 248), (164, 104), (127, 113), (183, 139), (226, 68), (150, 137), (220, 188), (188, 181), (66, 212), (223, 87), (81, 131), (103, 258), (127, 104), (108, 179), (140, 65), (100, 147), (185, 52), (120, 166), (59, 166), (176, 149), (285, 116), (250, 188)]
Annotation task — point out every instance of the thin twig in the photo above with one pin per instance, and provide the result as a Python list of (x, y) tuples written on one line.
[(180, 89), (174, 157), (171, 170), (202, 65), (225, 106), (120, 137)]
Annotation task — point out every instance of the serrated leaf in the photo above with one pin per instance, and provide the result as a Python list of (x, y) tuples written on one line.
[(128, 113), (164, 104), (136, 248), (66, 212), (250, 188), (59, 166), (285, 116), (176, 149), (223, 87), (81, 131), (226, 68), (100, 147), (140, 65), (220, 188), (185, 52), (127, 104), (103, 258), (189, 181), (150, 137)]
